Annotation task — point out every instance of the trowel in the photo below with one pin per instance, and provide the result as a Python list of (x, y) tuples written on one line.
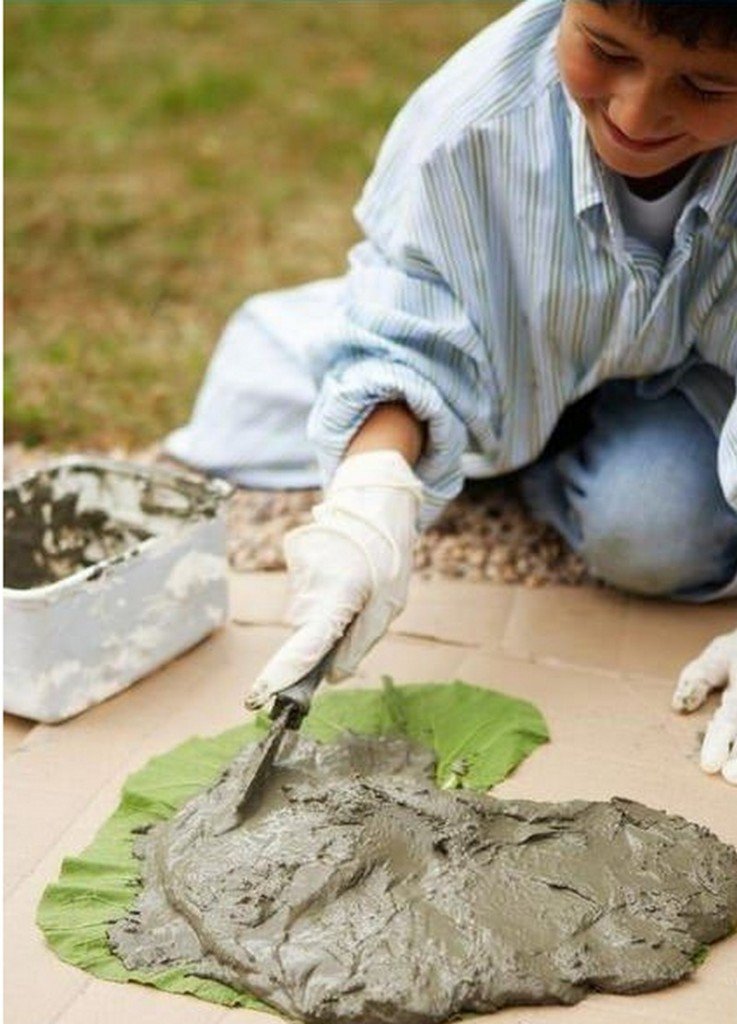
[(289, 708)]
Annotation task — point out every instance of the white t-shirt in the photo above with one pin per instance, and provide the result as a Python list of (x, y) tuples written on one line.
[(653, 220)]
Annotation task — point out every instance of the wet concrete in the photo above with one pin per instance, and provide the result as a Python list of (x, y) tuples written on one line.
[(48, 538), (71, 517), (356, 891)]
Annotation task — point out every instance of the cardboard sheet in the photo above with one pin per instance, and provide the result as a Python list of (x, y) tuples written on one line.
[(599, 665)]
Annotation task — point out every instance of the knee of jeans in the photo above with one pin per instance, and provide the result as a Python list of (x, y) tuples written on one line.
[(647, 536)]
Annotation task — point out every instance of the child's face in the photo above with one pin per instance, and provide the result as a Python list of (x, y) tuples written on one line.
[(649, 103)]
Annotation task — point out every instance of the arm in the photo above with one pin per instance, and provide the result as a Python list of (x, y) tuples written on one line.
[(410, 328), (405, 339), (350, 568), (405, 379), (391, 425)]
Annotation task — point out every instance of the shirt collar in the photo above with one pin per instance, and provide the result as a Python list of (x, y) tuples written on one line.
[(716, 192), (594, 199), (586, 181)]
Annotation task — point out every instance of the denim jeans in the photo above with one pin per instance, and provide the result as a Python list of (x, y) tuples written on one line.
[(631, 484)]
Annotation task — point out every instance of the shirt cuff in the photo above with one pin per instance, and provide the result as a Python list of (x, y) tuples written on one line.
[(347, 397)]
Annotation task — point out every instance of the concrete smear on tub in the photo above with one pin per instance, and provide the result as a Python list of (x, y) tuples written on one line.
[(358, 892), (71, 517), (48, 538)]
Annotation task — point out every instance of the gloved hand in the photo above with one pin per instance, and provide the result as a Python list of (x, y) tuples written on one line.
[(351, 565), (715, 667)]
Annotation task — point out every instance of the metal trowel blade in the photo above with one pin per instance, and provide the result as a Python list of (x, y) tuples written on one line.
[(260, 766), (289, 708)]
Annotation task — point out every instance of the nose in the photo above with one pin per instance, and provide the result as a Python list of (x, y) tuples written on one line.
[(639, 108)]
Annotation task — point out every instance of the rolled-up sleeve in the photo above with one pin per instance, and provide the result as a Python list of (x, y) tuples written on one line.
[(405, 332), (404, 338)]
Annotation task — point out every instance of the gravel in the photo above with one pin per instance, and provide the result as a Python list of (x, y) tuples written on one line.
[(485, 534)]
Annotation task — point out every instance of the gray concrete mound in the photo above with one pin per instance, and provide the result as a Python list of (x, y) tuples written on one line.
[(356, 891)]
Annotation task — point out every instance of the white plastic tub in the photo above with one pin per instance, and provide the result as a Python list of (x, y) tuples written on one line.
[(111, 569)]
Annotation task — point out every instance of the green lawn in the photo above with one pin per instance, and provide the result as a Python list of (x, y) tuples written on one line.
[(164, 161)]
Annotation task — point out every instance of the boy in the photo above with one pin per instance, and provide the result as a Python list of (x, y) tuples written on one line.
[(548, 284)]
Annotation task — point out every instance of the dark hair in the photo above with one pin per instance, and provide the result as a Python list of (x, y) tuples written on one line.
[(691, 22)]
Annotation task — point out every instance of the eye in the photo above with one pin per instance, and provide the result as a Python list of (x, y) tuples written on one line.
[(604, 55), (703, 94)]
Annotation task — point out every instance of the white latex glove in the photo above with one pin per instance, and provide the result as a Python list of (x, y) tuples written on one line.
[(352, 563), (715, 667)]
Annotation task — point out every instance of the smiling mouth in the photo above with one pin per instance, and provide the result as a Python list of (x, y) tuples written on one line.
[(637, 145)]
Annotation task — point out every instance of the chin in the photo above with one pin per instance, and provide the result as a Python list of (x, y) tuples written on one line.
[(635, 165), (634, 168)]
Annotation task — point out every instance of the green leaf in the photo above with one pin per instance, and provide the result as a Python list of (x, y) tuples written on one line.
[(478, 736), (483, 733)]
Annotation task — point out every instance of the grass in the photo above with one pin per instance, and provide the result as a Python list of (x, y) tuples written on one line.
[(163, 162)]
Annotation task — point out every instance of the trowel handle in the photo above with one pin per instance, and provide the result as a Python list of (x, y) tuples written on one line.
[(298, 697)]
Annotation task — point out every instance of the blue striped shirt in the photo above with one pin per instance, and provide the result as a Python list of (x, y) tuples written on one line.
[(496, 285)]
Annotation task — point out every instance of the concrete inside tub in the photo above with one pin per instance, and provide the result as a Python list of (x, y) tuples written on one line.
[(71, 517)]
